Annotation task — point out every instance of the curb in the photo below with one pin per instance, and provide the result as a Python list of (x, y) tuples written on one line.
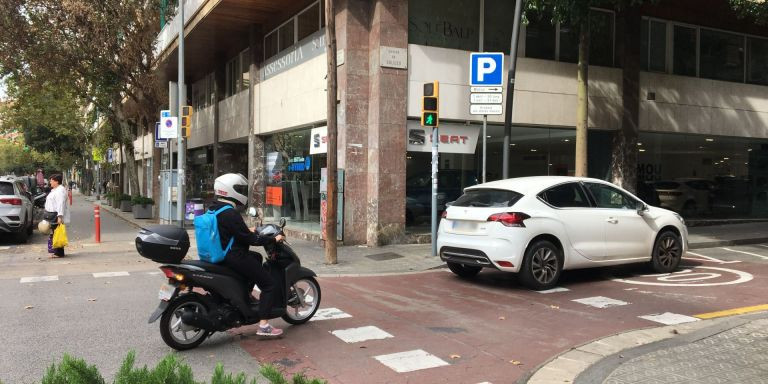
[(726, 243), (593, 361)]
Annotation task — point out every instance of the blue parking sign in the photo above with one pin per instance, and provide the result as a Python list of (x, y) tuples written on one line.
[(486, 68)]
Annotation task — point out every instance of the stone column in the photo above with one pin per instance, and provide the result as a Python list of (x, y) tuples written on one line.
[(388, 91), (256, 148)]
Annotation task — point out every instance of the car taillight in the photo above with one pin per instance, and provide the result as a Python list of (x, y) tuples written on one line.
[(12, 201), (510, 219)]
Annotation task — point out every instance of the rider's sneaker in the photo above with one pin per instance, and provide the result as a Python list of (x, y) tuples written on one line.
[(269, 330)]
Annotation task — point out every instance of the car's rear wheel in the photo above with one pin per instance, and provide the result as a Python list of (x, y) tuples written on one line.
[(667, 252), (462, 270), (542, 265), (22, 236)]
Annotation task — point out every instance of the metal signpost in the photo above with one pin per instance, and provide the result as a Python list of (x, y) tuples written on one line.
[(485, 79), (430, 117), (180, 141)]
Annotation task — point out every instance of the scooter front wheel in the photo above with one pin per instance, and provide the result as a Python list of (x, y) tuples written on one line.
[(175, 333), (303, 301)]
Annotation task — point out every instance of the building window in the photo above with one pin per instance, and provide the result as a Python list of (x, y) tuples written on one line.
[(653, 46), (304, 24), (757, 64), (286, 35), (601, 38), (540, 37), (232, 76), (722, 55), (684, 51), (270, 45), (497, 33), (308, 21), (245, 70), (444, 23)]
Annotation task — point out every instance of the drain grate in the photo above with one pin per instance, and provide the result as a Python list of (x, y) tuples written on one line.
[(384, 256)]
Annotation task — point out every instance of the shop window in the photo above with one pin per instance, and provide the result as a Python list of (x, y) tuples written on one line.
[(757, 64), (684, 51), (444, 23), (722, 55), (308, 21), (497, 35), (286, 35), (540, 36)]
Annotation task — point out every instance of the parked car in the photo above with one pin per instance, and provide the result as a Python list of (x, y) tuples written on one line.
[(418, 192), (539, 226), (16, 208), (686, 196)]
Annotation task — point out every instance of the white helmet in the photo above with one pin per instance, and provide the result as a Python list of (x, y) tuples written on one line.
[(232, 187), (43, 226)]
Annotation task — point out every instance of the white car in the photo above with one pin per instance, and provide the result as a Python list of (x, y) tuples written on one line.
[(16, 208), (539, 226)]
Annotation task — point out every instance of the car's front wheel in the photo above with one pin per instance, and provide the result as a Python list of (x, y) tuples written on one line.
[(667, 252), (542, 265), (462, 270)]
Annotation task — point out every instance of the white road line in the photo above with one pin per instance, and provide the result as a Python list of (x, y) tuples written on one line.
[(110, 274), (554, 290), (37, 279), (601, 302), (4, 248), (668, 318), (356, 335), (154, 273), (709, 258), (410, 361), (747, 253), (329, 314)]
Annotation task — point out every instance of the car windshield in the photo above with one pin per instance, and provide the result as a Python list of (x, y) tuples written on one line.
[(6, 189), (487, 198)]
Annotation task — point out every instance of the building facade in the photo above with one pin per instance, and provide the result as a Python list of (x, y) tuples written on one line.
[(255, 73)]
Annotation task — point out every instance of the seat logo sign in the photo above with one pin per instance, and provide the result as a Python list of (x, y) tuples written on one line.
[(485, 69)]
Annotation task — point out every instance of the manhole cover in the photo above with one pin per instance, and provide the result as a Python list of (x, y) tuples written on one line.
[(384, 256)]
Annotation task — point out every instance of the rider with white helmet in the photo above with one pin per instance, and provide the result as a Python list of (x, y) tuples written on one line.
[(232, 189)]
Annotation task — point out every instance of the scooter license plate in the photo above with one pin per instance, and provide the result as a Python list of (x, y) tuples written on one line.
[(166, 292)]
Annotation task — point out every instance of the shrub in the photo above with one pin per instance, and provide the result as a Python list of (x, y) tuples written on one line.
[(72, 370), (142, 200), (109, 195), (125, 197)]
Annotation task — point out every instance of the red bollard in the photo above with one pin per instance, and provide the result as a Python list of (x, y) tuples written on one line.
[(69, 193), (97, 222)]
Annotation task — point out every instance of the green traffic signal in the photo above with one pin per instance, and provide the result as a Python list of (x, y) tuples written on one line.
[(429, 119)]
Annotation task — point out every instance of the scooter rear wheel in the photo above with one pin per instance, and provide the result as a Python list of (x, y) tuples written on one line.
[(176, 334), (303, 301)]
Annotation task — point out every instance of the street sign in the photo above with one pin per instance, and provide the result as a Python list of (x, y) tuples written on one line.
[(486, 68), (485, 98), (157, 133), (484, 89), (109, 155), (161, 144), (485, 109), (168, 127), (165, 113)]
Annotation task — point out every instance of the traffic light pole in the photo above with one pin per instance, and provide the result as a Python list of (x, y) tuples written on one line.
[(434, 191), (180, 179)]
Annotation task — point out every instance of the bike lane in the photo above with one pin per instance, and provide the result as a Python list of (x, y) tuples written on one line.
[(434, 327)]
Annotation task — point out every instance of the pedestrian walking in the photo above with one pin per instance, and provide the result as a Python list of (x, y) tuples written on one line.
[(56, 211)]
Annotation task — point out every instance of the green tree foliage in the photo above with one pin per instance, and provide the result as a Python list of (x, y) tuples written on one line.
[(757, 10)]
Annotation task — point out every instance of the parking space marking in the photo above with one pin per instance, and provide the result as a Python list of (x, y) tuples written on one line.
[(554, 290), (329, 314), (410, 361), (731, 312), (746, 253), (709, 258), (601, 302), (356, 335), (110, 274), (37, 279), (668, 318)]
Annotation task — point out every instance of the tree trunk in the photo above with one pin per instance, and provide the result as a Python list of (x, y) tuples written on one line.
[(582, 109), (330, 217), (127, 140), (624, 148)]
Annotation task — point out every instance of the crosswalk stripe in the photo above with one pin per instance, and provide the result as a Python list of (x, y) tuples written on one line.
[(110, 274), (37, 279), (410, 361), (356, 335), (668, 318), (601, 302), (329, 314)]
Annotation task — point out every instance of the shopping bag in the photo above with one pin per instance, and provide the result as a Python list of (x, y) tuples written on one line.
[(60, 237)]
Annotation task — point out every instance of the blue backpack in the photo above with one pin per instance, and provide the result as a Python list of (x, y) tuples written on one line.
[(207, 237)]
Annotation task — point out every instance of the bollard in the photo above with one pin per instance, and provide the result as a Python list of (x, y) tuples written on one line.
[(69, 194), (97, 222)]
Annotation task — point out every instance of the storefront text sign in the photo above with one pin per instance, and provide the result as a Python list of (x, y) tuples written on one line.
[(275, 196), (452, 138), (318, 141), (393, 57), (309, 48)]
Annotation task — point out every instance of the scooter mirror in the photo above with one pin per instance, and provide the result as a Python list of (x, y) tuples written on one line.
[(252, 212), (282, 222)]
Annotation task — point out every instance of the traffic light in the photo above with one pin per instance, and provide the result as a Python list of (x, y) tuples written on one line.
[(430, 104), (186, 120)]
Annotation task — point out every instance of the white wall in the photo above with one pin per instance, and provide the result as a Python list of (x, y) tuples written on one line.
[(143, 146), (202, 128), (292, 98), (233, 117)]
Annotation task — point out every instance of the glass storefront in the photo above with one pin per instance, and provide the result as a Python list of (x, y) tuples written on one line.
[(200, 173), (293, 178)]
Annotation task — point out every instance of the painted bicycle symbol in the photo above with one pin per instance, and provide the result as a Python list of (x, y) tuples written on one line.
[(698, 276)]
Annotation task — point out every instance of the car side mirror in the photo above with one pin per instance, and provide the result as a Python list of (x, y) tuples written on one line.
[(640, 207), (252, 212)]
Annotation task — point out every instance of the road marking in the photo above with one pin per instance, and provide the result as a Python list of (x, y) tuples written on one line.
[(709, 258), (355, 335), (742, 277), (329, 314), (601, 302), (37, 279), (154, 273), (747, 253), (4, 248), (110, 274), (668, 318), (410, 361), (731, 312), (90, 244), (554, 290)]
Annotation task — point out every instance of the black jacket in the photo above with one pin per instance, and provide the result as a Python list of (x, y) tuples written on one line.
[(231, 224)]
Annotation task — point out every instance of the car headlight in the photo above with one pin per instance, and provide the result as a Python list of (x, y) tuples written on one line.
[(680, 218)]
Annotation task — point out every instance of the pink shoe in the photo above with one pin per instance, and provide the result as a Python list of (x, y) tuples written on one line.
[(269, 330)]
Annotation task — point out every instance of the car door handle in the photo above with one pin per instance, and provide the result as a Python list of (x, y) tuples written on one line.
[(612, 220)]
